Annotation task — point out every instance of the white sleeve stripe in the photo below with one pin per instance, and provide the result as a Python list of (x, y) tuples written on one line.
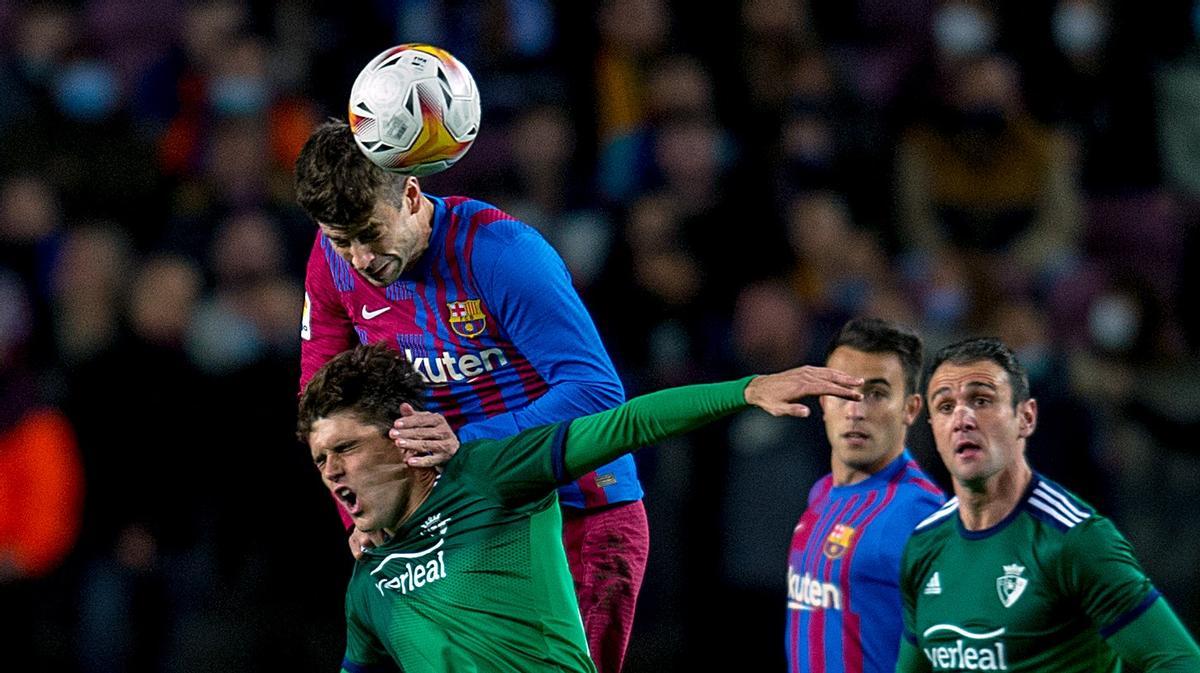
[(1050, 502), (942, 513), (1057, 514), (1045, 490), (952, 503)]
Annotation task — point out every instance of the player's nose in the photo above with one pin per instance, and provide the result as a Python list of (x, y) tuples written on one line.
[(964, 418), (853, 409), (361, 256), (332, 470)]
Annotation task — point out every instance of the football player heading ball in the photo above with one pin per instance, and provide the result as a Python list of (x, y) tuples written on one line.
[(478, 301)]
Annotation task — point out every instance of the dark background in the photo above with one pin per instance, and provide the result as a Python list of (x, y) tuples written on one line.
[(727, 185)]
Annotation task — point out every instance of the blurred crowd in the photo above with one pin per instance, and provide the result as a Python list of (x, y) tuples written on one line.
[(727, 184)]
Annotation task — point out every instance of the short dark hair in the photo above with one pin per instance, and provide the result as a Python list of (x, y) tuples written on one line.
[(985, 348), (874, 335), (336, 184), (369, 381)]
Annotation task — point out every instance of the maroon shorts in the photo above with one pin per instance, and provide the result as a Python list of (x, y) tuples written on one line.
[(607, 550)]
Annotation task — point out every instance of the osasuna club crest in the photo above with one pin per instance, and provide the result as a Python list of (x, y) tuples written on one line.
[(467, 318), (1011, 585)]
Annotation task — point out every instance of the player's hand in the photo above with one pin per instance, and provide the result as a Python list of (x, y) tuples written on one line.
[(425, 437), (360, 542), (777, 393)]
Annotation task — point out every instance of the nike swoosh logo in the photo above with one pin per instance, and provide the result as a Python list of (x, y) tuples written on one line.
[(367, 315)]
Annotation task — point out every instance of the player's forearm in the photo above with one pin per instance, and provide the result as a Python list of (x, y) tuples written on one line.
[(1157, 642), (600, 438)]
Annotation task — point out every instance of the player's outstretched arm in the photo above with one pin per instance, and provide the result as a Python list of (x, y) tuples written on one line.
[(599, 438), (1156, 642)]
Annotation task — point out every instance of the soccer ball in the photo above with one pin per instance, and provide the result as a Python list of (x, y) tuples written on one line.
[(414, 109)]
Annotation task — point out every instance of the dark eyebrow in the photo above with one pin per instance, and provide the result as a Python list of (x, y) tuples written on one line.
[(974, 384), (877, 382)]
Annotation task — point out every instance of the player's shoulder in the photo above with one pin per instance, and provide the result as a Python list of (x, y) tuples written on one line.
[(483, 216), (916, 485), (820, 489), (940, 521), (489, 232), (1057, 508)]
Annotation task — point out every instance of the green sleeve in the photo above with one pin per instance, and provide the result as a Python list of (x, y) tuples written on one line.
[(1100, 571), (516, 471), (600, 438), (1156, 641), (911, 659)]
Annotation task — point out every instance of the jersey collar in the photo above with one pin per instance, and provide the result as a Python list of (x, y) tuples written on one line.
[(1003, 523)]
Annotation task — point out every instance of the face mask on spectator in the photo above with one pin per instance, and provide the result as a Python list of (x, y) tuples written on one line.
[(987, 120), (1114, 323), (962, 30), (238, 95), (1079, 28), (87, 91)]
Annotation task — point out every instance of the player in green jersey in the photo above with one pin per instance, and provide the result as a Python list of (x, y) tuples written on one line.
[(1015, 573), (471, 573)]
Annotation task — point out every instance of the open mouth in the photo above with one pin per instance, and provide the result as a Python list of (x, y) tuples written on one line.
[(856, 436), (349, 500), (966, 449)]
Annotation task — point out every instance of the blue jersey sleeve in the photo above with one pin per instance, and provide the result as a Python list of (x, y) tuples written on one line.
[(529, 288)]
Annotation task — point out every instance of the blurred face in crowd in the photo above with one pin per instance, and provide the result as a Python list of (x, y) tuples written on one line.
[(869, 433), (362, 468), (978, 430), (391, 240)]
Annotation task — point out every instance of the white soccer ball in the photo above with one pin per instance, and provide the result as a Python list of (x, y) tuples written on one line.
[(414, 109)]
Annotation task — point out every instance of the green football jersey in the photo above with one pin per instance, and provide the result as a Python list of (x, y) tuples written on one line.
[(476, 579), (1039, 591)]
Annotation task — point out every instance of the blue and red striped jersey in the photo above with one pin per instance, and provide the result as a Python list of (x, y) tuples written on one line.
[(490, 320), (843, 579)]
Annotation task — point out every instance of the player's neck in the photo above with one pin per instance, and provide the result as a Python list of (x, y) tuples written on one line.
[(425, 223), (423, 483), (848, 475), (984, 505)]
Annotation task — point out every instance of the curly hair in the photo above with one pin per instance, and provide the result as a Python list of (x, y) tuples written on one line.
[(369, 381), (335, 182)]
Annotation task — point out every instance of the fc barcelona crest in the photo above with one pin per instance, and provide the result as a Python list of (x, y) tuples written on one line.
[(467, 318), (838, 541), (1011, 585)]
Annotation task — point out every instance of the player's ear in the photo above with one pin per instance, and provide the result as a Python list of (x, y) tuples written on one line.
[(412, 194), (912, 408), (1026, 418)]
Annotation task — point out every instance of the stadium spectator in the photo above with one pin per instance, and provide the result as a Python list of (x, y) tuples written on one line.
[(984, 177), (41, 477)]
